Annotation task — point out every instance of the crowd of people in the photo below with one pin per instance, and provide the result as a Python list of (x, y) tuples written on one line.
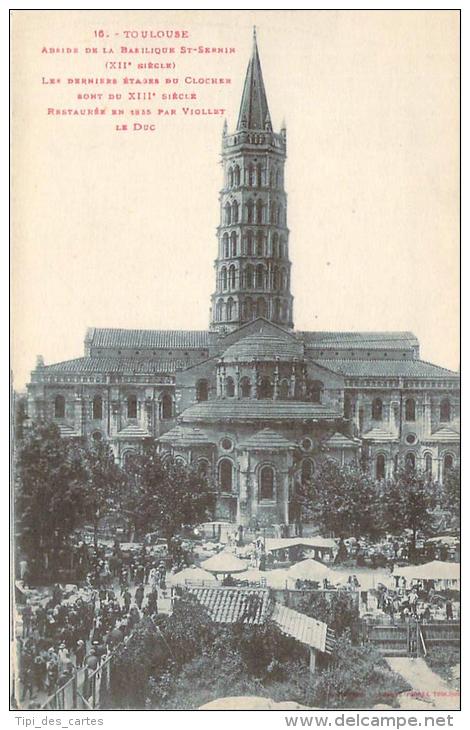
[(65, 632), (414, 602)]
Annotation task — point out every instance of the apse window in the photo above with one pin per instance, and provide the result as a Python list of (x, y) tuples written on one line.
[(226, 444), (267, 483)]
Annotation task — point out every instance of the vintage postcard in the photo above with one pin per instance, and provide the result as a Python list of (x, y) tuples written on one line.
[(235, 358)]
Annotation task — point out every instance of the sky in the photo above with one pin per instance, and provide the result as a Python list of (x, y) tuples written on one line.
[(118, 229)]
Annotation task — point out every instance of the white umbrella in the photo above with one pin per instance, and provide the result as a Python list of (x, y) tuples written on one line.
[(224, 562), (309, 570), (189, 574), (252, 575), (277, 578)]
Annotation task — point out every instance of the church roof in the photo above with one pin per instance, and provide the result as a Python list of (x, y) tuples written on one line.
[(179, 436), (92, 364), (159, 339), (363, 340), (267, 439), (264, 346), (254, 112), (379, 433), (339, 440), (133, 431), (257, 410), (387, 368), (444, 434)]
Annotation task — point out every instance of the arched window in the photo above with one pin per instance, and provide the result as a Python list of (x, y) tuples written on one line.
[(166, 406), (229, 387), (283, 279), (261, 308), (265, 388), (280, 215), (284, 389), (230, 177), (203, 468), (380, 467), (259, 211), (220, 311), (306, 471), (234, 212), (132, 406), (377, 409), (223, 278), (249, 211), (202, 390), (225, 475), (347, 406), (259, 178), (278, 178), (271, 179), (448, 462), (245, 387), (275, 246), (247, 308), (276, 310), (249, 243), (249, 277), (410, 461), (259, 276), (233, 244), (225, 245), (97, 408), (236, 176), (230, 308), (445, 410), (260, 243), (282, 247), (232, 277), (284, 311), (59, 406), (428, 464), (251, 175), (315, 391), (228, 214), (410, 409), (273, 212), (266, 483), (275, 278)]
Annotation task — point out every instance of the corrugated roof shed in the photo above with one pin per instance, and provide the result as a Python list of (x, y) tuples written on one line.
[(228, 605), (305, 629)]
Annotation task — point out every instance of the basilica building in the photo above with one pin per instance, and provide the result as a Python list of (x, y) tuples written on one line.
[(251, 402)]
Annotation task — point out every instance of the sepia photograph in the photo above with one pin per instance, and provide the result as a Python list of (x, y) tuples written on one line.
[(235, 360)]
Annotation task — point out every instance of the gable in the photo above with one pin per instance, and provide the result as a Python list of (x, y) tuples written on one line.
[(256, 326)]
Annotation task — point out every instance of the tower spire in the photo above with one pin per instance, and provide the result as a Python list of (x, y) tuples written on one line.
[(254, 112)]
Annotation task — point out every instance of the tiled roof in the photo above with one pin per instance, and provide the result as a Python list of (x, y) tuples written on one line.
[(229, 605), (68, 432), (257, 410), (264, 347), (179, 436), (387, 368), (267, 439), (444, 434), (159, 339), (339, 440), (303, 628), (373, 340), (133, 431), (379, 433), (93, 364)]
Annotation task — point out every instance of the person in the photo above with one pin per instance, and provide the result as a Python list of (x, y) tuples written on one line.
[(27, 616), (52, 671), (91, 660), (126, 597), (139, 596), (39, 671), (80, 652), (27, 679), (449, 610)]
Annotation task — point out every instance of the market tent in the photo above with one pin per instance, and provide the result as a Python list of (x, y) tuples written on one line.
[(309, 570), (224, 562), (190, 574), (283, 543), (277, 578), (252, 575), (435, 570)]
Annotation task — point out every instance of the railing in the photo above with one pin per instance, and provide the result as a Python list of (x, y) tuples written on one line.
[(84, 691)]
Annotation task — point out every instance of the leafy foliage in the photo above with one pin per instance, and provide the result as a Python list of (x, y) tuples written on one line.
[(406, 503), (166, 494), (337, 610), (342, 499)]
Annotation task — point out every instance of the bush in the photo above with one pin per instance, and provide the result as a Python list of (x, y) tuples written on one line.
[(356, 677), (441, 659)]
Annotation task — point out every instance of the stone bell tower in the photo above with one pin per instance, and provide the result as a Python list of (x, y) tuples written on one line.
[(252, 265)]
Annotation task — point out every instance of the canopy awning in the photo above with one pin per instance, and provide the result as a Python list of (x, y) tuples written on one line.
[(224, 562)]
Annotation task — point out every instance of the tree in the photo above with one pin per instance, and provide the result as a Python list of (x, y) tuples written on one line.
[(166, 494), (338, 610), (450, 494), (342, 499), (49, 502), (104, 483), (406, 504)]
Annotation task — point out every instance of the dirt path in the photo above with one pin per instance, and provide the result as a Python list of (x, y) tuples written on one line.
[(429, 690)]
